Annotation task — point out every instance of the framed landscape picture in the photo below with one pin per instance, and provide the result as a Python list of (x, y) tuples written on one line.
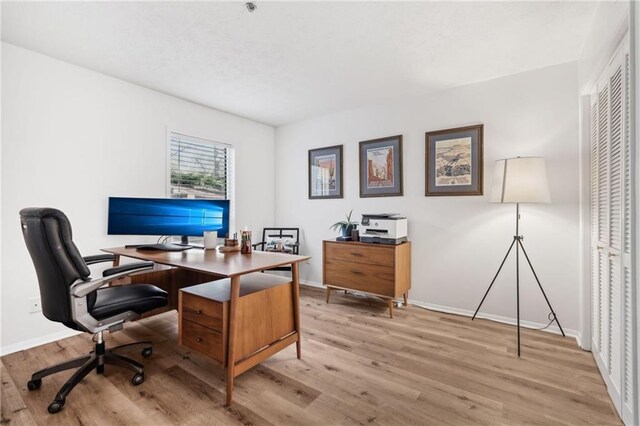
[(325, 172), (454, 161), (381, 167)]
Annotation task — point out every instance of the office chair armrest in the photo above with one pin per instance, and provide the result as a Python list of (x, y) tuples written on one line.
[(82, 288), (99, 258), (128, 267), (261, 243)]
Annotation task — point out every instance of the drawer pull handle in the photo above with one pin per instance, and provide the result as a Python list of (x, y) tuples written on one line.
[(356, 254), (198, 312), (199, 339), (357, 272)]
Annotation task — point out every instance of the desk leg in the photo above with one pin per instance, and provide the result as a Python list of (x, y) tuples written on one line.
[(233, 331), (296, 306)]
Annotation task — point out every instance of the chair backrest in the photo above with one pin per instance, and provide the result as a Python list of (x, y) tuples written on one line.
[(282, 234), (58, 263)]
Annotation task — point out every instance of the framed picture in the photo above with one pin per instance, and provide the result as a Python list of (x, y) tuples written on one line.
[(454, 161), (381, 167), (325, 172)]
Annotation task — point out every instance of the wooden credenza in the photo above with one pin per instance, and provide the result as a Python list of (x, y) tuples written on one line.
[(377, 269)]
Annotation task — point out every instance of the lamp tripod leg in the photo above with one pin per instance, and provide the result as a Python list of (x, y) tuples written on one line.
[(494, 279), (555, 318), (517, 238)]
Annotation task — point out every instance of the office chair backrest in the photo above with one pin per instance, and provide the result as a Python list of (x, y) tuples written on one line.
[(58, 262)]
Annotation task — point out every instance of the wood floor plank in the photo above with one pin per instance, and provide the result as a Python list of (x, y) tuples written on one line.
[(359, 367), (13, 410)]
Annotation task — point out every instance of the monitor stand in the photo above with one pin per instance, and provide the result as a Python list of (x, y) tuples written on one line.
[(184, 241)]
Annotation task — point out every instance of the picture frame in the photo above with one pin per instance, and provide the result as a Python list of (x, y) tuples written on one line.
[(325, 173), (381, 167), (454, 161)]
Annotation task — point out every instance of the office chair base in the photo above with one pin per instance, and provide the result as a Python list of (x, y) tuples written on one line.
[(96, 360)]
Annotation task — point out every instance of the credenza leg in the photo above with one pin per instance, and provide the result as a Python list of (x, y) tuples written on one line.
[(406, 298), (296, 306), (233, 332), (328, 293), (391, 308)]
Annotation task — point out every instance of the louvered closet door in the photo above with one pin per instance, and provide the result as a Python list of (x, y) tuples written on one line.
[(613, 328), (630, 332)]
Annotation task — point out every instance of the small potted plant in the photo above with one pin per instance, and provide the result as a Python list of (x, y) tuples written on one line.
[(345, 227)]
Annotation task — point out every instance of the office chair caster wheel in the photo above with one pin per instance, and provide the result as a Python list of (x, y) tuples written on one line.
[(138, 379), (146, 352), (56, 406), (34, 384)]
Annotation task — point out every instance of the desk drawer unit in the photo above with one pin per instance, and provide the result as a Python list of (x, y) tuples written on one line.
[(206, 312), (204, 340), (265, 315), (382, 270)]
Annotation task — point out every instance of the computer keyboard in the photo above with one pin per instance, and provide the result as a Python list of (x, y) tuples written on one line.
[(162, 247)]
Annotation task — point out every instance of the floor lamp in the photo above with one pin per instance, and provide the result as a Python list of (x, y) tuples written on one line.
[(520, 180)]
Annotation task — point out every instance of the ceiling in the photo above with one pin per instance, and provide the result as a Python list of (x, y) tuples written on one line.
[(289, 61)]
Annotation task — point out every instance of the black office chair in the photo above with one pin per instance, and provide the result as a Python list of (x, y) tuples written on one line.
[(280, 240), (70, 296)]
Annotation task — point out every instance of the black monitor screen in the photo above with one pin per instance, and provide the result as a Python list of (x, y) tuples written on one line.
[(167, 216)]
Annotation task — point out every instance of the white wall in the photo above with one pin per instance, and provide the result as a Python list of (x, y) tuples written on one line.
[(73, 137), (458, 242)]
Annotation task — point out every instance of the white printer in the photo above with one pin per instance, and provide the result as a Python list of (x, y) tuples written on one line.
[(383, 228)]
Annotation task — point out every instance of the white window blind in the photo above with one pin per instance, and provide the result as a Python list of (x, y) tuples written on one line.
[(199, 168)]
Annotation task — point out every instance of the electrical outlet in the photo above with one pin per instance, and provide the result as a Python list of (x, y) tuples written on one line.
[(34, 305)]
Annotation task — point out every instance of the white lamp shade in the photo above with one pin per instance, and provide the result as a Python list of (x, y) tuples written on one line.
[(520, 180)]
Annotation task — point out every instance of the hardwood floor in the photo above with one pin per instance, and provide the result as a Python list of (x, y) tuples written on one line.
[(358, 367)]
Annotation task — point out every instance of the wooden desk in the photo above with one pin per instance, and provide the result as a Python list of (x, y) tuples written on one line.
[(197, 266)]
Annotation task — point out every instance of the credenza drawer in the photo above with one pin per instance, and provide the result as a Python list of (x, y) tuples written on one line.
[(206, 312), (358, 276), (359, 253), (203, 339)]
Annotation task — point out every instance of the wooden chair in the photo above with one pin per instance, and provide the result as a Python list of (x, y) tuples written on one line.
[(280, 240)]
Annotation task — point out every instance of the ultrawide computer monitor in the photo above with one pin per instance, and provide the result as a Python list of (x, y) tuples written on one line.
[(185, 217)]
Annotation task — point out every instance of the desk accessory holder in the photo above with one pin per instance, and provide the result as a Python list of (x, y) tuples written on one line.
[(245, 247)]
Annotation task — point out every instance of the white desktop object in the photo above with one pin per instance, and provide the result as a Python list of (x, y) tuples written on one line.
[(210, 240)]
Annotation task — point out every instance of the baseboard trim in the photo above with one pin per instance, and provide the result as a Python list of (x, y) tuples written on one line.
[(311, 283), (497, 318), (32, 343), (584, 344), (464, 312)]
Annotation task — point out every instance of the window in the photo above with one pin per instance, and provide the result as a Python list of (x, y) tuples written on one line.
[(199, 168)]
